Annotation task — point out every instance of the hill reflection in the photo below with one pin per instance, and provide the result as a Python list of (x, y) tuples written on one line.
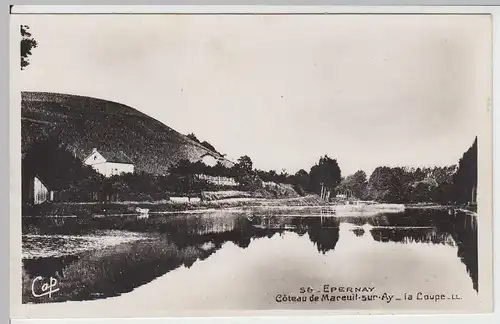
[(183, 240)]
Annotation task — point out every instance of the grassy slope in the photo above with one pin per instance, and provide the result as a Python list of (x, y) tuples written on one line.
[(83, 123)]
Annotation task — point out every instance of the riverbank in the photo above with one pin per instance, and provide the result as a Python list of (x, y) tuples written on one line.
[(95, 209), (99, 209), (468, 209)]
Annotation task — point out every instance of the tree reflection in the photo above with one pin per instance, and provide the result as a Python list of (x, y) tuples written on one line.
[(457, 229), (465, 235), (183, 240), (358, 232), (411, 235), (324, 233)]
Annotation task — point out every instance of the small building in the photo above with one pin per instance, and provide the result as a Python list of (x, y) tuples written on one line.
[(39, 184), (41, 192), (109, 163), (37, 190), (209, 159)]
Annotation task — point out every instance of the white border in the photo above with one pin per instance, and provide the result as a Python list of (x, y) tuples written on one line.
[(251, 9)]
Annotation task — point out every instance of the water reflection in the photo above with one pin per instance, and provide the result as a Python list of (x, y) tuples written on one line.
[(180, 240), (358, 232), (411, 235)]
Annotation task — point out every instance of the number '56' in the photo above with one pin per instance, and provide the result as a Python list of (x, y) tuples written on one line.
[(303, 290)]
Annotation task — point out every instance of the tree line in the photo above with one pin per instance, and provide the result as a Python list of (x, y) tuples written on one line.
[(182, 179), (57, 165), (444, 185), (401, 185)]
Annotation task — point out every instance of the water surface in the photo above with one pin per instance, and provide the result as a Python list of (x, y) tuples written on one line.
[(247, 259)]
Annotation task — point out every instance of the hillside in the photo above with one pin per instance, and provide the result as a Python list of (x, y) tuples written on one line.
[(84, 123)]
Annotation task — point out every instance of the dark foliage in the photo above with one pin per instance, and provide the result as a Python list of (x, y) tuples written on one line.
[(209, 146), (354, 185), (443, 185), (206, 144), (465, 180), (325, 173), (245, 175), (27, 44), (55, 165)]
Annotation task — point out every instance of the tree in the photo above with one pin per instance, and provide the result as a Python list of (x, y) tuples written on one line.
[(379, 183), (354, 184), (193, 137), (53, 162), (422, 191), (283, 176), (245, 175), (389, 184), (27, 44), (220, 170), (399, 186), (325, 173), (443, 175), (205, 144), (300, 181), (181, 176), (245, 163), (443, 194), (209, 146), (118, 187), (465, 179), (301, 178), (270, 175), (248, 181)]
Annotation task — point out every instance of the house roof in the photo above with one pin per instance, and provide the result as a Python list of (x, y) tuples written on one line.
[(52, 183), (117, 157), (220, 158), (209, 154)]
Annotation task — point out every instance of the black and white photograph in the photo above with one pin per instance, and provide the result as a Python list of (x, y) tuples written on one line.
[(202, 164)]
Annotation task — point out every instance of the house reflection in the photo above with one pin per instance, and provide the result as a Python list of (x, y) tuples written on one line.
[(183, 240)]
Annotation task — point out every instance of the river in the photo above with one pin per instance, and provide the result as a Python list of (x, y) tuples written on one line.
[(254, 260)]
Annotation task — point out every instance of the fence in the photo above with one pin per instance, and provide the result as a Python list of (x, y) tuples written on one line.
[(220, 181)]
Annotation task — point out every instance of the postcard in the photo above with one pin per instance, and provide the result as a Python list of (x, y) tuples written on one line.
[(202, 164)]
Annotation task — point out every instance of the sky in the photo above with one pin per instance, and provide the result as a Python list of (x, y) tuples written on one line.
[(366, 90)]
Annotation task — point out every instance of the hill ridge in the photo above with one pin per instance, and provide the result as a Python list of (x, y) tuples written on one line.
[(83, 123)]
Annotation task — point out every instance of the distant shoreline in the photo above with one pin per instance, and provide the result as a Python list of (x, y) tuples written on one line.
[(463, 209), (96, 209)]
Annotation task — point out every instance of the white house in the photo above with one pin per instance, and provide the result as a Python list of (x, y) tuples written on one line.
[(110, 163), (209, 160)]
